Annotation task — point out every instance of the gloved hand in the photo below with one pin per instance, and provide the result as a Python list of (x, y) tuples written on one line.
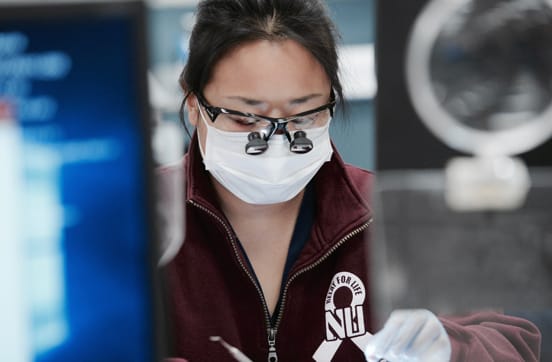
[(410, 336)]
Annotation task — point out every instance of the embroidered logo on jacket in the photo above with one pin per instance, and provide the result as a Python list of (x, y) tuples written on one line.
[(343, 321)]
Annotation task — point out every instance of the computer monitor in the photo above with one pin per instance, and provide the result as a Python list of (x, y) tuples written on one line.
[(77, 255)]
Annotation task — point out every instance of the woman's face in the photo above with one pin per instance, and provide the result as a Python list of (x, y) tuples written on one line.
[(269, 78)]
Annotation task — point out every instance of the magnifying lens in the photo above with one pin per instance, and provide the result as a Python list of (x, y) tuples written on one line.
[(479, 74)]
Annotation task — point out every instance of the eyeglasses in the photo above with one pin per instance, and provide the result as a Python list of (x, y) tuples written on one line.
[(261, 128)]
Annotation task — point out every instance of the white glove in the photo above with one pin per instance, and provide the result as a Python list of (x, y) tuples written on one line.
[(410, 336)]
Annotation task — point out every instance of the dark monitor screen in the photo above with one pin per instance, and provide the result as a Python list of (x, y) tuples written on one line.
[(75, 197)]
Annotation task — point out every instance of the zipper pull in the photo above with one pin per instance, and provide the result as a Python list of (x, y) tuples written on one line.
[(272, 356)]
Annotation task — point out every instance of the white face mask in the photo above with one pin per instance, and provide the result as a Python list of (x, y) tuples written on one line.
[(277, 175)]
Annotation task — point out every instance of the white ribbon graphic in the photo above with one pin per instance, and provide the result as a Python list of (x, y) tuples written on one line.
[(342, 323)]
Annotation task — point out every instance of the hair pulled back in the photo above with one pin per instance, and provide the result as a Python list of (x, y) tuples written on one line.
[(221, 25)]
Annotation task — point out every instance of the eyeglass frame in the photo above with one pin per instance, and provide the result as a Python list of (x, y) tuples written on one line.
[(277, 123)]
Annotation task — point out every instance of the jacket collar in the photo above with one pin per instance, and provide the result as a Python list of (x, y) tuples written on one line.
[(342, 206), (199, 187)]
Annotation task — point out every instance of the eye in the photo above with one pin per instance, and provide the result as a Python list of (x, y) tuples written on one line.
[(243, 121), (305, 120)]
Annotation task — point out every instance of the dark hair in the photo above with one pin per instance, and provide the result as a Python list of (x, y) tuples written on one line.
[(221, 25)]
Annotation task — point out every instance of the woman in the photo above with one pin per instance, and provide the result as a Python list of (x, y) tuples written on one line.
[(277, 225)]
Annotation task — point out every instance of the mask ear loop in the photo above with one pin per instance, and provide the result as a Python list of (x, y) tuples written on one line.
[(206, 125)]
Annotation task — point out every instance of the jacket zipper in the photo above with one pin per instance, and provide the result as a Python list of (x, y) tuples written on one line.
[(315, 264), (272, 330), (272, 356)]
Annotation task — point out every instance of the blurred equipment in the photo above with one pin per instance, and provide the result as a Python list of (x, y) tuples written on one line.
[(480, 77), (429, 256), (515, 71), (76, 169), (465, 158)]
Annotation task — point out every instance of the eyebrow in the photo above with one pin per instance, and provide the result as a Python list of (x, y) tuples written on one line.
[(257, 102)]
